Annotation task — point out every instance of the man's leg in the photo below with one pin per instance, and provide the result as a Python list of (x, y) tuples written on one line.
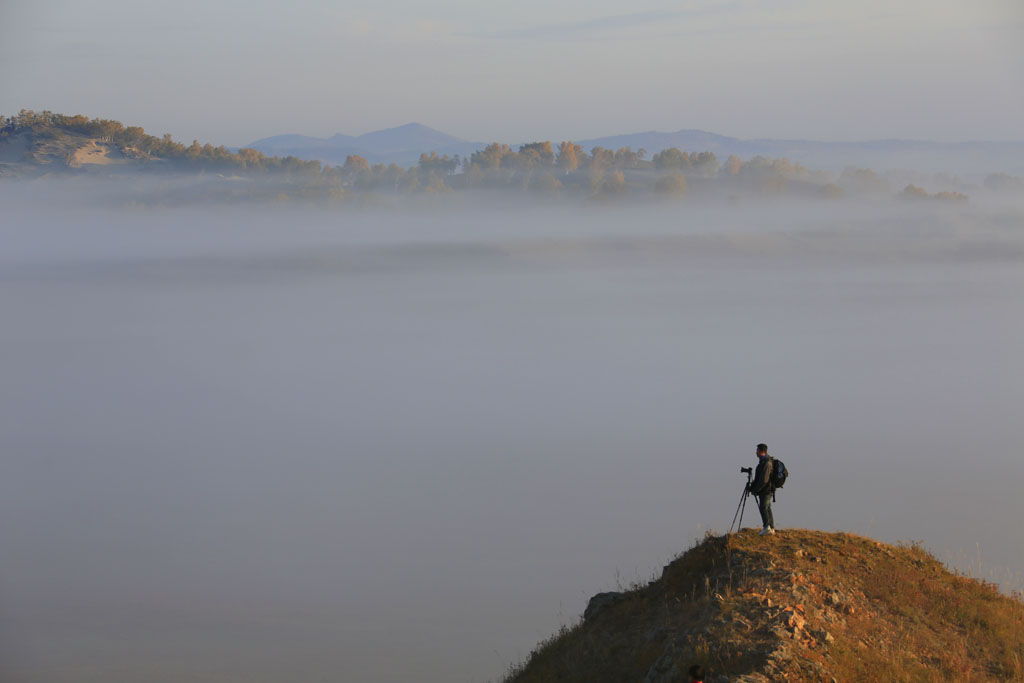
[(764, 506)]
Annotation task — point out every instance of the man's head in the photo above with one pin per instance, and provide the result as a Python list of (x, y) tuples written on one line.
[(697, 673), (762, 449)]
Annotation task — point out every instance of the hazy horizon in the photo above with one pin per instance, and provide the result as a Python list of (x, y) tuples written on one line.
[(490, 139), (231, 72)]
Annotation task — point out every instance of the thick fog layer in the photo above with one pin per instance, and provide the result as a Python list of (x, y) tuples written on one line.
[(408, 445)]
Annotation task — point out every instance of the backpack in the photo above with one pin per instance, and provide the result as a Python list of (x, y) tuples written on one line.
[(779, 474)]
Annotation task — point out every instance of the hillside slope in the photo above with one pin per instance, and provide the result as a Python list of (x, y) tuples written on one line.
[(801, 605), (34, 143)]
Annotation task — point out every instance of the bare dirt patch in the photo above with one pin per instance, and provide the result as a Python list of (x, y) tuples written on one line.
[(96, 153)]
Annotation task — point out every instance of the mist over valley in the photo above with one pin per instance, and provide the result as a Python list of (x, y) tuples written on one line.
[(298, 389), (411, 442)]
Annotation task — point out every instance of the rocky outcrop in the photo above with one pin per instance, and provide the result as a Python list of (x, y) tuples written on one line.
[(798, 606), (601, 601)]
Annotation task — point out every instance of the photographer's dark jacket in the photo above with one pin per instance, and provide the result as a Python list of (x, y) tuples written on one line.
[(762, 482)]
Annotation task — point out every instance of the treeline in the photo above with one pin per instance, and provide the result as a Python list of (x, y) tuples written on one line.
[(537, 166), (567, 167), (544, 167), (541, 167)]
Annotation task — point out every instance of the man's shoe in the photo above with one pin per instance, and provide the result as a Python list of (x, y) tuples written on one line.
[(765, 531), (771, 531)]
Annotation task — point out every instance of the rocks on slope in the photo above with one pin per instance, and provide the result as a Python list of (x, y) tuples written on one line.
[(802, 605)]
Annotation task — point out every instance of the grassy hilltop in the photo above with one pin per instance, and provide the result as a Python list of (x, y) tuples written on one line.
[(45, 140), (48, 145), (799, 606)]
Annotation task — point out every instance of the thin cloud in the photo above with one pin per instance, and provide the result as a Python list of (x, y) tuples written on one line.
[(599, 25)]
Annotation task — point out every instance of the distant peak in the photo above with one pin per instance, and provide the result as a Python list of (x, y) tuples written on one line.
[(409, 127), (409, 135)]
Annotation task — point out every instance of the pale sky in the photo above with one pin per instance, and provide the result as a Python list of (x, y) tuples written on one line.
[(232, 71)]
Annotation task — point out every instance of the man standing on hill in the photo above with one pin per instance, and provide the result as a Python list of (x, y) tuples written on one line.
[(761, 487)]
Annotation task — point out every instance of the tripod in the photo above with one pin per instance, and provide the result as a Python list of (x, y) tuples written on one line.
[(743, 500)]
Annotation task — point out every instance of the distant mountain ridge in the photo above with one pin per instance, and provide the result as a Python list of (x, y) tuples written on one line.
[(404, 144), (401, 144)]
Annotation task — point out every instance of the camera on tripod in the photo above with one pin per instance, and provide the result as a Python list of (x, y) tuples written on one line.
[(749, 471)]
